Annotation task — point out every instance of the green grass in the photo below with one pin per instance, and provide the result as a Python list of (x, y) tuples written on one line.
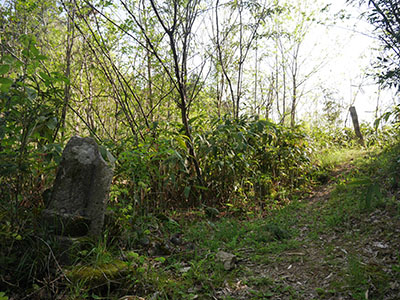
[(329, 159), (196, 274), (363, 280)]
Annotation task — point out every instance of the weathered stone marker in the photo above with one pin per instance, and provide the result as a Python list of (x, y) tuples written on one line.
[(80, 192)]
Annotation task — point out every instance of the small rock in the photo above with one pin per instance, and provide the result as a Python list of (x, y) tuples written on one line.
[(190, 246), (176, 239), (155, 296), (228, 259), (211, 212), (394, 285), (184, 269), (144, 241), (159, 249)]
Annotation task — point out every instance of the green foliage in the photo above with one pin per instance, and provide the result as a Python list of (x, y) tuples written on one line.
[(372, 192), (362, 276), (19, 266), (384, 16), (3, 296), (246, 163), (120, 92), (29, 100), (363, 189), (393, 114), (335, 138), (28, 118), (154, 174)]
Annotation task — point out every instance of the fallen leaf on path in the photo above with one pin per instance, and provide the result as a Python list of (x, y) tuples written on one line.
[(380, 245)]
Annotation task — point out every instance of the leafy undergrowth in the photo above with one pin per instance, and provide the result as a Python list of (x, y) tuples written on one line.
[(342, 242)]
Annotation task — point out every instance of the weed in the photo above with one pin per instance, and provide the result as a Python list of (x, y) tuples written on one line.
[(364, 281), (3, 296), (325, 294)]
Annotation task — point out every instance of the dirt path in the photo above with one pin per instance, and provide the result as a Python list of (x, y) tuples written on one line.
[(357, 258)]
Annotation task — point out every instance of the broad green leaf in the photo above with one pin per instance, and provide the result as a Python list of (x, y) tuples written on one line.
[(160, 259), (8, 59), (4, 69), (24, 38), (44, 76), (181, 142), (32, 94), (201, 187), (51, 123), (26, 53), (6, 81), (41, 57), (34, 50), (30, 69), (5, 84), (360, 181), (3, 296), (132, 255), (186, 192), (110, 157)]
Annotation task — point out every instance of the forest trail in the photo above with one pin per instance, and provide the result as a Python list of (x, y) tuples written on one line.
[(340, 242), (330, 256)]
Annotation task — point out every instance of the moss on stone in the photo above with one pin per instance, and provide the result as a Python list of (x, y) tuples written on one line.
[(99, 275)]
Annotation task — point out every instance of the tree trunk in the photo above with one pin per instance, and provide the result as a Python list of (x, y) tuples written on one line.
[(189, 144), (294, 98), (67, 71)]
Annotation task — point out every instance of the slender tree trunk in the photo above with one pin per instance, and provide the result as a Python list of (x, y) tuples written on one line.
[(294, 98), (224, 71), (241, 61), (192, 153), (256, 79), (149, 75), (283, 96), (149, 87), (67, 71), (378, 98), (277, 83), (180, 71), (270, 97), (220, 91), (89, 109)]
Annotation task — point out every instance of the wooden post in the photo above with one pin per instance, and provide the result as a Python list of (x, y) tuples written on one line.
[(356, 125)]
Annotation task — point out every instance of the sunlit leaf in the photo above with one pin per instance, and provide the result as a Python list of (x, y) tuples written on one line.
[(6, 81), (4, 69)]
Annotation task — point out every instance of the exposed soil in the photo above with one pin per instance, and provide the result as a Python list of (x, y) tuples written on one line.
[(362, 254)]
